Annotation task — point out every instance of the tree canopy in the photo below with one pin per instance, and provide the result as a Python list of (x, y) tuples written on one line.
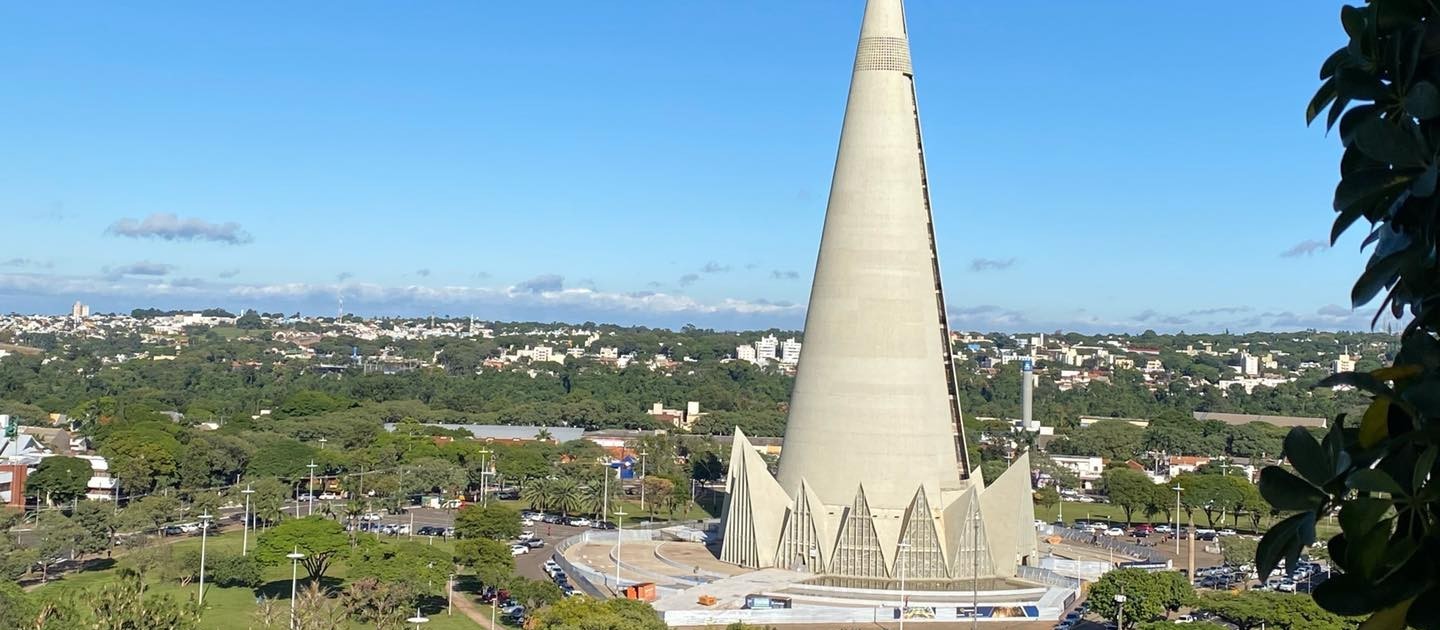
[(320, 539)]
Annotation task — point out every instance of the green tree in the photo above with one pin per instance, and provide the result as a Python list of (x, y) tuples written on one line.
[(494, 521), (534, 594), (583, 613), (1284, 611), (231, 570), (59, 479), (122, 604), (1130, 489), (1237, 550), (98, 521), (373, 601), (1047, 497), (491, 560), (151, 512), (1148, 596), (422, 569), (318, 538)]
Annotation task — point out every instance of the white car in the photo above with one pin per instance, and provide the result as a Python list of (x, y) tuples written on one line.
[(1185, 619), (525, 522), (1162, 529), (551, 566), (1227, 532), (329, 496), (580, 522), (1286, 586), (370, 517), (1115, 531), (516, 550)]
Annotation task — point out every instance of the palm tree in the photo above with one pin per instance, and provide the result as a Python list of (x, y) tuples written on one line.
[(544, 435), (566, 495), (536, 492)]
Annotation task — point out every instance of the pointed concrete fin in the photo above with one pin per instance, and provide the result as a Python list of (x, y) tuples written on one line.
[(925, 556), (1008, 506), (857, 548), (755, 511), (805, 542), (966, 537)]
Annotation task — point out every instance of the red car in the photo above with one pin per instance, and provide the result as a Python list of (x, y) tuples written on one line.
[(1143, 529)]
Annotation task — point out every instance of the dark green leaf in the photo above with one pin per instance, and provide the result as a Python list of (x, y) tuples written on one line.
[(1324, 96), (1285, 491), (1356, 83), (1423, 466), (1279, 542), (1350, 123), (1366, 549), (1338, 107), (1368, 185), (1371, 480), (1387, 142), (1423, 100), (1378, 275), (1344, 594), (1307, 457), (1353, 20), (1424, 185), (1332, 62), (1425, 611), (1359, 515)]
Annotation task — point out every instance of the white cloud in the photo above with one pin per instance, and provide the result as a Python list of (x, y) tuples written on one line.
[(167, 226)]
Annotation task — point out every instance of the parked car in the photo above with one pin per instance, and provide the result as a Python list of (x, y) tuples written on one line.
[(516, 550), (554, 519), (579, 522), (527, 522), (1115, 531), (551, 566), (534, 543), (329, 496), (1227, 532), (602, 525), (1163, 529), (370, 516), (1144, 529), (508, 495)]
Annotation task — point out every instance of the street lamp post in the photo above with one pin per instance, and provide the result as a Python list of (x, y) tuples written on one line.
[(246, 523), (294, 557), (1120, 621), (322, 442), (204, 534), (900, 560), (619, 534), (642, 481), (312, 466), (418, 619), (1177, 490)]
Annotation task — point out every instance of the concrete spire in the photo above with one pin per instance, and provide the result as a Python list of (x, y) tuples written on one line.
[(874, 457), (872, 402)]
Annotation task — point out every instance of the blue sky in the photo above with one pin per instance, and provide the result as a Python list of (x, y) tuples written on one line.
[(1095, 166)]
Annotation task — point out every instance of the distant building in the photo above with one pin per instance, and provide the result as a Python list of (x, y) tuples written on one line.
[(790, 352), (1342, 363), (1088, 469), (1245, 418), (765, 348), (746, 353), (79, 311), (1249, 364), (1086, 421), (675, 417)]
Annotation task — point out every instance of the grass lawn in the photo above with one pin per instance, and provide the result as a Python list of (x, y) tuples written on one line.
[(1105, 511), (233, 608)]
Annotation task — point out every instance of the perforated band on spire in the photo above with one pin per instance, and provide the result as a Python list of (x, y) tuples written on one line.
[(883, 53)]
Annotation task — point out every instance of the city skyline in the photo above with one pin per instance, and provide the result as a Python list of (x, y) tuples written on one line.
[(552, 170)]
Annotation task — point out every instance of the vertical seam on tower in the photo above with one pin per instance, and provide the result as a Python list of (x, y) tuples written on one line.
[(951, 382)]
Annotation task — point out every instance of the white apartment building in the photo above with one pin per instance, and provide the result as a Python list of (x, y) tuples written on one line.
[(765, 347), (746, 353), (542, 353), (1088, 469), (1249, 364), (790, 351), (609, 353)]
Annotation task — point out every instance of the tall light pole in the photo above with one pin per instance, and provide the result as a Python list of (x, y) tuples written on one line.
[(204, 534), (642, 482), (418, 619), (1177, 490), (900, 560), (312, 466), (484, 498), (605, 491), (246, 523), (619, 534), (322, 442), (294, 557), (1120, 621)]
